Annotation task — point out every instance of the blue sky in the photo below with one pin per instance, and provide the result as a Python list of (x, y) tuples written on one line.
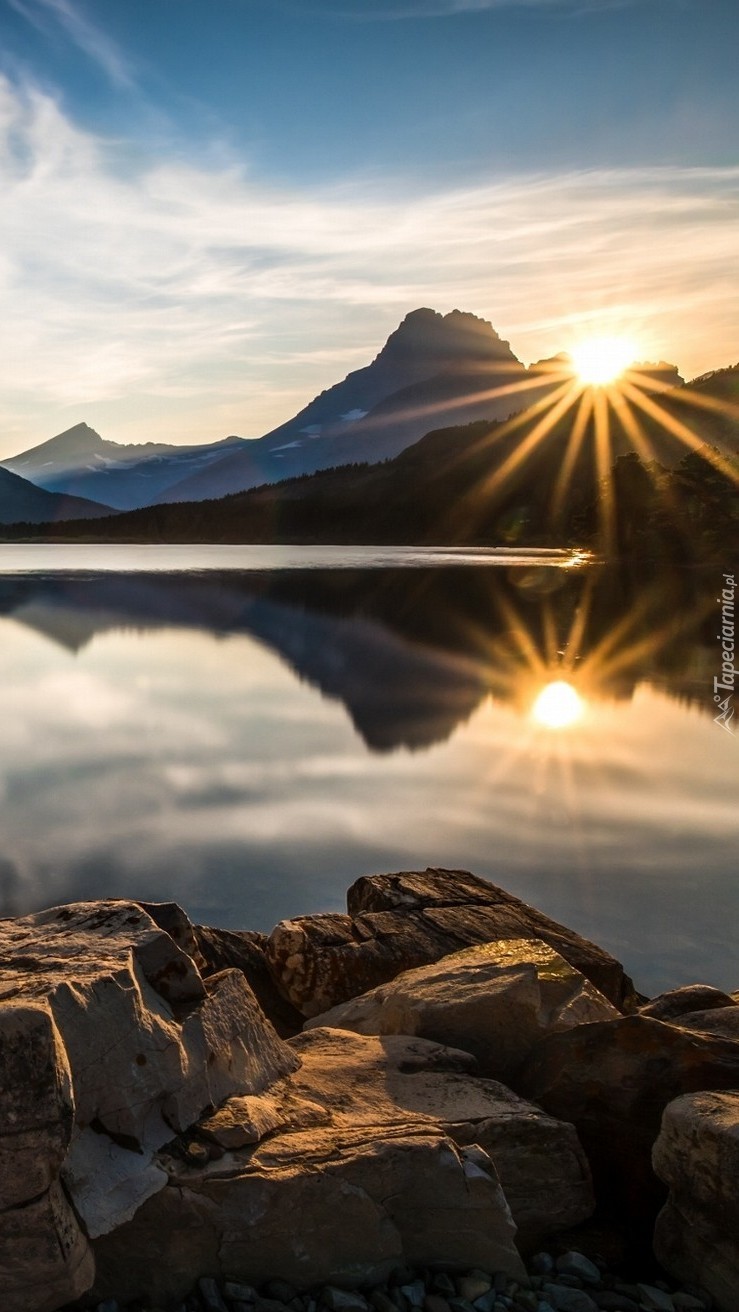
[(212, 209)]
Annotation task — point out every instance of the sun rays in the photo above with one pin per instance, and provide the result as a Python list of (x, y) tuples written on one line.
[(587, 407)]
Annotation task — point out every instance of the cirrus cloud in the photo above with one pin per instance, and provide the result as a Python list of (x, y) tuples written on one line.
[(196, 300)]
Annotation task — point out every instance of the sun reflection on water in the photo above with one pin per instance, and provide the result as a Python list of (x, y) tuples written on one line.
[(558, 705)]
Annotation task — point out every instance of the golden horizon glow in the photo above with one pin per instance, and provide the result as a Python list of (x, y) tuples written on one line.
[(598, 361), (558, 705)]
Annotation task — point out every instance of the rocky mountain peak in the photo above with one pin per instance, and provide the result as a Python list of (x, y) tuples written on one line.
[(457, 336)]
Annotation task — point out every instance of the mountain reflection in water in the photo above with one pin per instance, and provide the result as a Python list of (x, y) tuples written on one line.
[(412, 654), (162, 738)]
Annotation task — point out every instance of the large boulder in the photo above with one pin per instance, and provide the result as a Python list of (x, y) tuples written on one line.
[(495, 1001), (696, 1237), (111, 1044), (366, 1081), (400, 921), (613, 1080), (325, 1204), (388, 1150)]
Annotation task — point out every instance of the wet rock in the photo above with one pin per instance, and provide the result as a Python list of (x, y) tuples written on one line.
[(398, 922), (697, 1155), (495, 1001)]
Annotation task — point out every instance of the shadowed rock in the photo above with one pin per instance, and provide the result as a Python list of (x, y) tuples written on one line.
[(697, 1155)]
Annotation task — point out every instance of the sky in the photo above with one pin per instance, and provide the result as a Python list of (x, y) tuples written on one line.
[(211, 210)]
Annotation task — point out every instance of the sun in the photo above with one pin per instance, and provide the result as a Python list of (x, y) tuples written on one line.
[(558, 705), (601, 360)]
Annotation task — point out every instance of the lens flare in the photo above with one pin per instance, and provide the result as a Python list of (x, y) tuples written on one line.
[(601, 360), (558, 705)]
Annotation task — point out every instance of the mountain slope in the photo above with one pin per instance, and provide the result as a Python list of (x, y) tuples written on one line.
[(478, 484), (434, 369), (23, 502), (79, 462)]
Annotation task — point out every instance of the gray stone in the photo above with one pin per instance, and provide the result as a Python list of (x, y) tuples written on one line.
[(685, 1302), (569, 1300), (609, 1301), (576, 1264), (415, 1293), (343, 1300), (472, 1287), (239, 1292), (211, 1295), (654, 1299)]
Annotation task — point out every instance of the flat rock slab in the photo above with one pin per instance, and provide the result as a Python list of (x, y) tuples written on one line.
[(400, 921), (494, 1001), (696, 1237)]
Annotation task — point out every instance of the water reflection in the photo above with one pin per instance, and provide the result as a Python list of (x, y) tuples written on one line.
[(411, 654), (163, 737)]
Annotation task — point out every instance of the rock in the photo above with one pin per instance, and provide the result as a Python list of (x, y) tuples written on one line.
[(689, 998), (563, 1299), (609, 1301), (245, 950), (613, 1079), (654, 1299), (211, 1295), (472, 1287), (150, 1046), (495, 1001), (697, 1155), (108, 1182), (366, 1200), (722, 1021), (45, 1260), (576, 1264), (95, 997), (398, 922), (36, 1102), (368, 1081), (343, 1300)]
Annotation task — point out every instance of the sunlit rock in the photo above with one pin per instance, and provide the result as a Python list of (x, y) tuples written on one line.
[(495, 1001), (400, 921)]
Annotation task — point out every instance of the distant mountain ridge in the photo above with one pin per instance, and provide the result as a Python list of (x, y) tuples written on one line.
[(79, 462), (22, 502), (435, 370)]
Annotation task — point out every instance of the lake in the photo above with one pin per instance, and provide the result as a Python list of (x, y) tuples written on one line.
[(246, 730)]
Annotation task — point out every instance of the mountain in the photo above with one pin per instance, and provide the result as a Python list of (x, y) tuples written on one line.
[(483, 483), (79, 462), (434, 369), (23, 502)]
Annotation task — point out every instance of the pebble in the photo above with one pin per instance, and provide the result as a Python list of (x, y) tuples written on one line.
[(654, 1299), (570, 1282), (211, 1295), (576, 1264)]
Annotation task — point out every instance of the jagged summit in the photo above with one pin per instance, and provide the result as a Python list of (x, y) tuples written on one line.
[(457, 336)]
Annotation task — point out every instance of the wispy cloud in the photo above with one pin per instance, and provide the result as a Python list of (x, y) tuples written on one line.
[(185, 301), (389, 10), (46, 15)]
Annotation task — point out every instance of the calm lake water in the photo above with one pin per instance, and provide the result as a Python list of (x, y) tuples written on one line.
[(246, 729)]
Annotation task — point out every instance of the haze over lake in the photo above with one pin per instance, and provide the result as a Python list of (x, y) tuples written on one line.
[(246, 737)]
